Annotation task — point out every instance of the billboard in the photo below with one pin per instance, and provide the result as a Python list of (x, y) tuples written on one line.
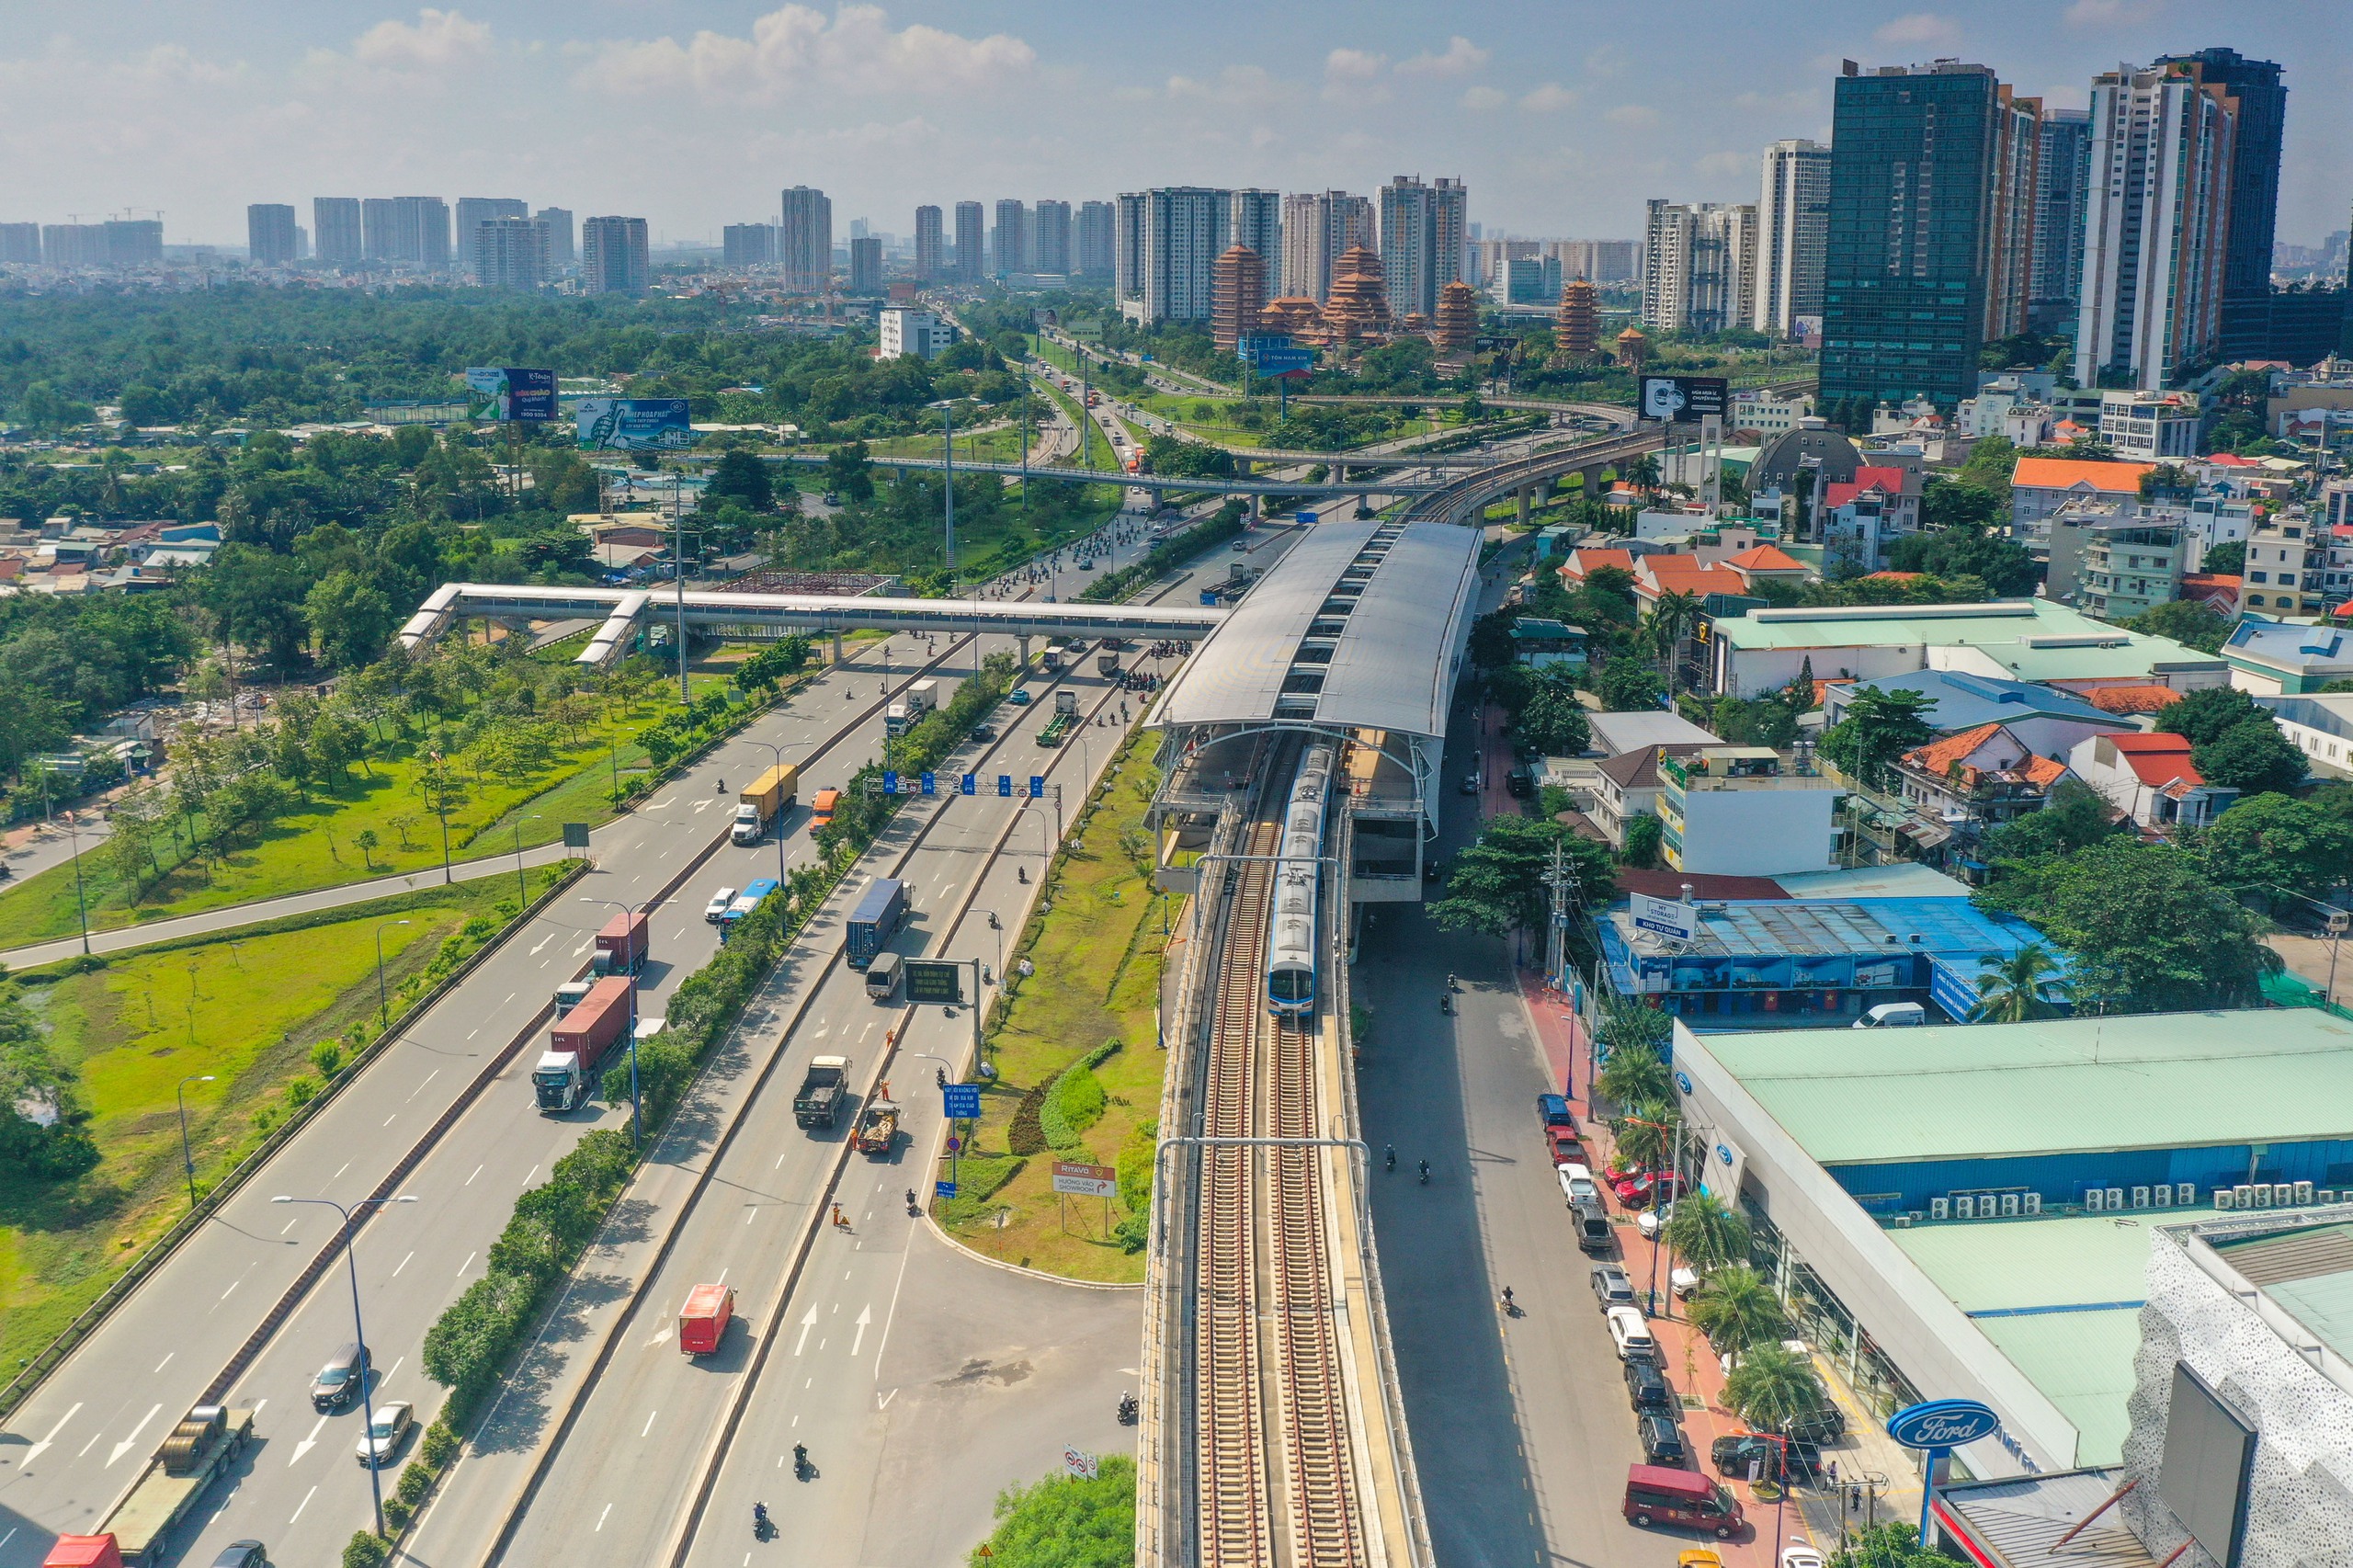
[(1666, 916), (1683, 399), (524, 396), (1077, 1180), (633, 424), (935, 980), (1274, 354)]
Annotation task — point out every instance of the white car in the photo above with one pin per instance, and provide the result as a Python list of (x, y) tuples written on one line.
[(383, 1441), (1801, 1557), (1632, 1334), (718, 905), (1577, 1182)]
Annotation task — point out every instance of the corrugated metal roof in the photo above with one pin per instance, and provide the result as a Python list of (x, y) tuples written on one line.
[(1382, 610), (2032, 639), (2166, 1079)]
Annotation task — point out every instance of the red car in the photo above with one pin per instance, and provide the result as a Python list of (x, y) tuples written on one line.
[(1643, 1189), (1567, 1148)]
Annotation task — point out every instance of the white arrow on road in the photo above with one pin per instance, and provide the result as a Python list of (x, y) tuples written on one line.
[(806, 1324), (864, 1318), (543, 942), (34, 1452), (130, 1440), (307, 1444)]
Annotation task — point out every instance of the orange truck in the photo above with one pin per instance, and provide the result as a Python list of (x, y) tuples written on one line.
[(702, 1321), (821, 810)]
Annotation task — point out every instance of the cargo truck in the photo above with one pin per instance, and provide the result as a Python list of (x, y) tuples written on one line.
[(138, 1531), (1106, 662), (878, 1124), (579, 1043), (756, 807), (821, 807), (1065, 718), (818, 1102), (620, 946), (570, 994), (1055, 656), (702, 1321), (909, 709), (882, 909)]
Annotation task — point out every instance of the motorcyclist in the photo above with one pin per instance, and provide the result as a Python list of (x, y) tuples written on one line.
[(800, 1459), (759, 1520), (1425, 1173), (719, 786), (1389, 1156)]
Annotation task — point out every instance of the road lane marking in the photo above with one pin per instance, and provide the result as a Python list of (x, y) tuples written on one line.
[(165, 1362), (469, 1180), (232, 1289), (535, 953), (307, 1444), (806, 1324), (304, 1504), (582, 946), (529, 1173), (468, 1264), (34, 1452), (131, 1438), (390, 1119), (865, 1321), (649, 1423), (286, 1227), (396, 1274), (600, 1518), (882, 1400), (751, 1213), (429, 1078), (338, 1175)]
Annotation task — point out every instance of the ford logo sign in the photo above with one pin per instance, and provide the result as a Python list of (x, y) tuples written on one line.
[(1683, 1082), (1942, 1424), (1723, 1154)]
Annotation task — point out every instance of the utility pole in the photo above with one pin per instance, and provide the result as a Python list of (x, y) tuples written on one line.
[(1561, 878), (678, 564)]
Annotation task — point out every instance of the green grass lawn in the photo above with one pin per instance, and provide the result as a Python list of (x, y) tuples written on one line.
[(316, 846), (1098, 455), (988, 446), (1097, 956), (245, 1008)]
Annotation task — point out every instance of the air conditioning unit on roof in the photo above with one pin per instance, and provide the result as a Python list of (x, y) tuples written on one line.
[(2095, 1200)]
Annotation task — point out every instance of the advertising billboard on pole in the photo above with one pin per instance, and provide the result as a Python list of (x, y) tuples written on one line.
[(1684, 400), (510, 394), (633, 424)]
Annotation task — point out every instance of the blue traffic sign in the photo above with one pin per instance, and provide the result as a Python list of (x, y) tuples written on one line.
[(1037, 786), (960, 1102), (965, 785), (943, 1189), (1004, 783), (927, 788), (890, 781)]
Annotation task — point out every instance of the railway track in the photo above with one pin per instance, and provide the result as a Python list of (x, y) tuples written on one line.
[(1274, 1450)]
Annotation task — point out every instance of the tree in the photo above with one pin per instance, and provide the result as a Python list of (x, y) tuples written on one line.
[(2208, 714), (2276, 840), (1497, 886), (1735, 1309), (351, 618), (2225, 559), (1645, 1134), (42, 1125), (1060, 1522), (1639, 470), (2009, 990), (1627, 685), (740, 476), (847, 472), (1881, 724), (2145, 928), (2075, 815), (2190, 623), (1707, 1231), (256, 598), (2253, 759), (1957, 504), (1552, 721), (1644, 835), (1772, 1386), (1671, 617), (2003, 565), (1890, 1546)]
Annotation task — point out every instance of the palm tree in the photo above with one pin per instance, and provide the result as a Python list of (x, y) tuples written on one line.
[(1644, 1136), (1672, 615), (2009, 990), (1706, 1232), (1772, 1386), (1633, 1071), (1737, 1310)]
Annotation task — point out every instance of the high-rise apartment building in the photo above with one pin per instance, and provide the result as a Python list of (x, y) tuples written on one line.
[(563, 254), (2261, 121), (1009, 241), (473, 211), (269, 233), (614, 258), (1422, 232), (20, 243), (1050, 238), (748, 244), (1913, 161), (1255, 219), (971, 264), (1319, 227), (414, 229), (931, 246), (2009, 211), (508, 252), (1700, 267), (1238, 293), (74, 245), (335, 234), (865, 266), (1793, 225), (131, 242), (1598, 261), (1127, 252), (2063, 190), (1097, 231), (1169, 240), (2157, 229), (375, 227), (804, 242)]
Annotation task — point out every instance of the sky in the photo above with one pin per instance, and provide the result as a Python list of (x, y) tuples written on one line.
[(1562, 116)]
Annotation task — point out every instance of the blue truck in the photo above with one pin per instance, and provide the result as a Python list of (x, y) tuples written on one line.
[(882, 909)]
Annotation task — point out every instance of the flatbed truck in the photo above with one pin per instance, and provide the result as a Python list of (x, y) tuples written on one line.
[(141, 1528)]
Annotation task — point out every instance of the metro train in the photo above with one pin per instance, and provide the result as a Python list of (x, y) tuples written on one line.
[(1291, 934)]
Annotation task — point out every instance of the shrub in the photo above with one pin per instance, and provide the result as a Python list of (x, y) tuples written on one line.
[(365, 1549), (441, 1445), (327, 1057), (416, 1480), (397, 1515)]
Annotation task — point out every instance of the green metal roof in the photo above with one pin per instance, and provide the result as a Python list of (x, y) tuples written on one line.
[(2006, 632), (1960, 1091), (2324, 1304), (2060, 1299)]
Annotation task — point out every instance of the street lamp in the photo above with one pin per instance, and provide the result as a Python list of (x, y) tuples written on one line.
[(81, 903), (384, 999), (629, 954), (779, 751), (441, 810), (946, 406), (367, 1396), (998, 927), (522, 887), (186, 1159)]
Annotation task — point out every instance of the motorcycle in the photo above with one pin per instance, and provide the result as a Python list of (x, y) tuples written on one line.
[(1446, 1004), (913, 1207), (1389, 1158), (762, 1526), (800, 1465), (1127, 1410), (1425, 1173)]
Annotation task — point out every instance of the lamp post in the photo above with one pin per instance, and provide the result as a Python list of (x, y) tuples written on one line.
[(1649, 1307), (187, 1160), (441, 810), (522, 886), (383, 998), (779, 751), (636, 1125), (359, 1331), (947, 407), (81, 903)]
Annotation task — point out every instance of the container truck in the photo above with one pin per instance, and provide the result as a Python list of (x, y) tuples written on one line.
[(818, 1102), (138, 1531), (620, 946), (756, 807), (909, 709), (570, 994), (880, 912), (702, 1321), (1065, 718), (821, 807), (579, 1043)]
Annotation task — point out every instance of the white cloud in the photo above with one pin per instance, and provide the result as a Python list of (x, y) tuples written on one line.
[(2109, 13), (1608, 61), (854, 50), (1354, 65), (1922, 28), (1633, 114), (439, 40), (1462, 58), (1720, 165), (1485, 98), (1235, 84), (1549, 99)]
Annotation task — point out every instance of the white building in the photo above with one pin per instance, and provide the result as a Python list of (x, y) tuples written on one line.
[(1767, 413), (2321, 725), (805, 245), (1699, 267), (1792, 233), (2146, 426), (509, 254), (2151, 779), (902, 329), (1168, 242), (1422, 231)]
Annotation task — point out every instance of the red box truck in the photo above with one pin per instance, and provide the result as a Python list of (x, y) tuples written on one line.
[(702, 1322)]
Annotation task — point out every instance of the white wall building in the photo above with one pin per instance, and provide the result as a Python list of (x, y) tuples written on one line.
[(1700, 267), (2146, 426), (902, 329), (1792, 233), (1422, 234)]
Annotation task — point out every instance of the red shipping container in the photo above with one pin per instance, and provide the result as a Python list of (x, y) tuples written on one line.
[(703, 1321)]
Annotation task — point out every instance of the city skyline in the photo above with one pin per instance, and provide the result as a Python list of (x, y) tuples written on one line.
[(887, 109)]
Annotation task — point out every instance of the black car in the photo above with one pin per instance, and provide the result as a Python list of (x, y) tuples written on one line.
[(1662, 1440), (983, 732), (1646, 1387), (1736, 1454), (1611, 1288), (1826, 1423), (243, 1554), (338, 1382)]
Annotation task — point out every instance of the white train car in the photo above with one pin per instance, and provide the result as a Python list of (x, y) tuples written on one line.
[(1291, 934)]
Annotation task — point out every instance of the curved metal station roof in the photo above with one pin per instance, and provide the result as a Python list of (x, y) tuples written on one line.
[(1361, 626)]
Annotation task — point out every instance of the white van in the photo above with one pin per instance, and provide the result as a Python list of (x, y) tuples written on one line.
[(1632, 1335), (1893, 1015)]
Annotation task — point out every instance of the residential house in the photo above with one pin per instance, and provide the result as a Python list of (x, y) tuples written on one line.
[(2322, 728), (2287, 566), (2131, 569), (1861, 519), (2040, 486), (1976, 779), (1614, 735), (2046, 721), (2150, 426), (1540, 643), (1762, 563), (2151, 779), (1732, 811), (2069, 530), (1627, 786), (2272, 658)]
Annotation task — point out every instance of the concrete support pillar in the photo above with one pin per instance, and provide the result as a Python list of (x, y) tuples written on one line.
[(1593, 482), (1257, 507), (1526, 491), (1024, 641), (837, 647)]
